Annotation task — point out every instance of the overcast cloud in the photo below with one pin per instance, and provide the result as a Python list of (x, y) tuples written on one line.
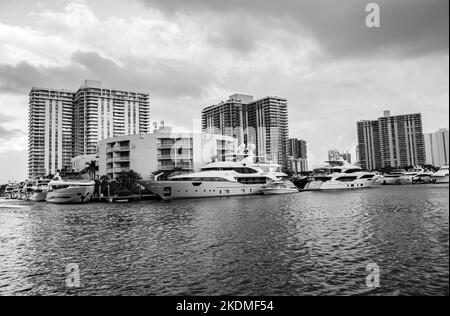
[(188, 54)]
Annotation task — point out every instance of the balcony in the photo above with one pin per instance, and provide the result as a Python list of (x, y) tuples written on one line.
[(174, 157), (117, 149), (174, 145), (118, 170)]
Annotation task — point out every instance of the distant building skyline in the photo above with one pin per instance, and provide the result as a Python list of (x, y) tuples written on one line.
[(190, 56), (335, 154)]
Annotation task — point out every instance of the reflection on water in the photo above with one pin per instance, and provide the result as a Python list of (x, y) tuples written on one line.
[(311, 243)]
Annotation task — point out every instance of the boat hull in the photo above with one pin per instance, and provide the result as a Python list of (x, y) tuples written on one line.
[(441, 179), (38, 197), (391, 181), (71, 195), (276, 191), (337, 185), (170, 190)]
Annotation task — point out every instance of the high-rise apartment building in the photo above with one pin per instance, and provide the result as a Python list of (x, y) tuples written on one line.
[(64, 124), (263, 122), (391, 141), (102, 113), (297, 149), (227, 118), (369, 152), (298, 156), (437, 148), (50, 133)]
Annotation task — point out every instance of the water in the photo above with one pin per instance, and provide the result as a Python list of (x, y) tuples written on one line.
[(311, 243)]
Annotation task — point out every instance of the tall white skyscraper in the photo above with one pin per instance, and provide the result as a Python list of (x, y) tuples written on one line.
[(50, 132), (437, 148), (64, 124)]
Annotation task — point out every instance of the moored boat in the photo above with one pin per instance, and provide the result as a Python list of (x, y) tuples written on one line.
[(240, 176), (340, 175), (70, 190), (417, 175), (279, 187), (442, 175), (40, 190), (393, 177)]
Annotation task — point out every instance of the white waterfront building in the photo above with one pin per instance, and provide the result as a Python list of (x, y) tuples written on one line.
[(162, 150)]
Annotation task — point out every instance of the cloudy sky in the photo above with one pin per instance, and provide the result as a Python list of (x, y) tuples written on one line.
[(189, 54)]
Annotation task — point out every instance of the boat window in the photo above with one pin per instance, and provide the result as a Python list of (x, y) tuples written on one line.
[(241, 170), (353, 170), (210, 179), (323, 179), (367, 176), (346, 179), (252, 180), (59, 187)]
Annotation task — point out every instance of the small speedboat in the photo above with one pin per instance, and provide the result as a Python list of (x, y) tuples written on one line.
[(279, 187)]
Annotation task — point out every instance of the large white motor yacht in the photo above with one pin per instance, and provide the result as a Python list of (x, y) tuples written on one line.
[(237, 177), (416, 175), (70, 190), (442, 176), (340, 175), (40, 190)]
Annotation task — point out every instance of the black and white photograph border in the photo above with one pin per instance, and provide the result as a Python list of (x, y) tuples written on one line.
[(224, 154)]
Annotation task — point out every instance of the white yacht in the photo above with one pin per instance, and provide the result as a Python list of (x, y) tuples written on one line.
[(393, 178), (441, 176), (40, 190), (340, 175), (70, 190), (279, 187), (237, 177), (12, 191), (416, 175), (27, 190)]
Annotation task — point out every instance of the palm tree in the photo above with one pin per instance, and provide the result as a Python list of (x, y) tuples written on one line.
[(128, 180), (91, 169)]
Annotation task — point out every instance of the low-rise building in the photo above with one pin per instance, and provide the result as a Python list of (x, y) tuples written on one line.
[(80, 163), (162, 150)]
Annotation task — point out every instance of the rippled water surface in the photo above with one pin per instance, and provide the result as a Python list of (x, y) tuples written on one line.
[(311, 243)]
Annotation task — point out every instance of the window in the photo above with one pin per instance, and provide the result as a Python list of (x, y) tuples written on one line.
[(353, 170), (253, 180), (346, 179)]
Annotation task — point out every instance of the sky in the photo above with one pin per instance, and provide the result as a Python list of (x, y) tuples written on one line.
[(189, 54)]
